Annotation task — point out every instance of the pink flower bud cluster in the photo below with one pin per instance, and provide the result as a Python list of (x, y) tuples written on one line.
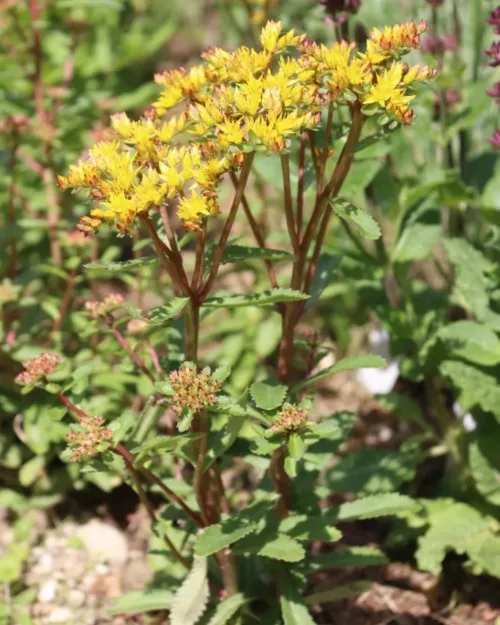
[(438, 45), (37, 369), (109, 304), (291, 418), (192, 390), (85, 444)]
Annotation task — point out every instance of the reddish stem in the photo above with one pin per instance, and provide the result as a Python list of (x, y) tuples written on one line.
[(124, 343)]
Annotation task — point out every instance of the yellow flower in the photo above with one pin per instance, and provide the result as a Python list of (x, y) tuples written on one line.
[(271, 40), (193, 208), (386, 86)]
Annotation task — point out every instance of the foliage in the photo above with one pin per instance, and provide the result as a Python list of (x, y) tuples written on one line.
[(273, 205)]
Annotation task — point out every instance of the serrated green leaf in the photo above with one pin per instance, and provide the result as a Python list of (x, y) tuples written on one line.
[(340, 592), (372, 507), (267, 396), (231, 530), (472, 341), (461, 528), (342, 558), (190, 601), (164, 443), (139, 601), (369, 471), (303, 527), (484, 462), (267, 298), (227, 609), (293, 609), (161, 314), (326, 268), (470, 286), (238, 253), (359, 218), (126, 265), (346, 364), (476, 388), (272, 545)]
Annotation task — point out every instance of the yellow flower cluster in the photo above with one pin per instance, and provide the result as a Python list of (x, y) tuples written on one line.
[(207, 117)]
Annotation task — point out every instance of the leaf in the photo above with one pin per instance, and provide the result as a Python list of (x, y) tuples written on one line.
[(161, 314), (163, 443), (237, 253), (190, 601), (340, 592), (461, 528), (227, 609), (326, 268), (373, 470), (303, 527), (484, 462), (346, 364), (266, 396), (472, 341), (273, 545), (233, 529), (372, 507), (267, 298), (475, 387), (31, 470), (118, 267), (470, 287), (293, 608), (141, 601), (360, 219), (342, 558), (403, 407), (416, 242), (296, 447)]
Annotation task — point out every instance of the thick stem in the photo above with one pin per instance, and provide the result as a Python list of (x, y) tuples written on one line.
[(66, 299), (219, 251), (191, 331), (281, 481)]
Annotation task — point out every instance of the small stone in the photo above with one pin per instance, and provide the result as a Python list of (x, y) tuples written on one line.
[(76, 598), (46, 562), (101, 569), (48, 591), (103, 541), (60, 615)]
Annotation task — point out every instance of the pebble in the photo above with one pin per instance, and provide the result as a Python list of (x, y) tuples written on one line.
[(103, 541), (48, 591), (76, 598), (60, 615)]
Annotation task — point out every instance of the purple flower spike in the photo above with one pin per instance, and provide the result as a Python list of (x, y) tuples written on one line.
[(495, 139), (494, 54), (495, 20), (494, 92)]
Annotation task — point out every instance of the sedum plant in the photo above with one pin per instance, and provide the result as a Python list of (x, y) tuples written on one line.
[(164, 178)]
